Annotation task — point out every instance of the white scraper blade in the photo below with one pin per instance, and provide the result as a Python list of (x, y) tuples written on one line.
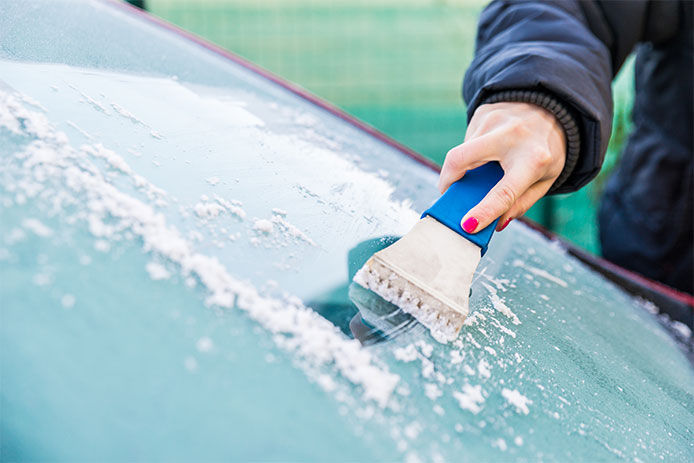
[(428, 274)]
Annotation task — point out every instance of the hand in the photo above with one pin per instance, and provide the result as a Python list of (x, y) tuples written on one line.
[(530, 145)]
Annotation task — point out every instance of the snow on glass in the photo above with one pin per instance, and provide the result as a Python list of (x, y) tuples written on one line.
[(482, 384)]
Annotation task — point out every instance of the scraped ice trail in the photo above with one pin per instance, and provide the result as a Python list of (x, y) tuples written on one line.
[(49, 161)]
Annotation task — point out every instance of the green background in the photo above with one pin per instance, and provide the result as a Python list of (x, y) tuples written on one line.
[(398, 65)]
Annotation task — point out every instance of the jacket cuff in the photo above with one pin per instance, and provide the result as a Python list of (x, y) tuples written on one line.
[(560, 112)]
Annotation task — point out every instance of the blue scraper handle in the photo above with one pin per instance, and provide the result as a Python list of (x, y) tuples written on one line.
[(462, 196)]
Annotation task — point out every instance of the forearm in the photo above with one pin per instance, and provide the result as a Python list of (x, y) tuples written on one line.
[(548, 48)]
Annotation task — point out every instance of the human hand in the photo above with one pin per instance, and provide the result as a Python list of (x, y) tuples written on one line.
[(530, 145)]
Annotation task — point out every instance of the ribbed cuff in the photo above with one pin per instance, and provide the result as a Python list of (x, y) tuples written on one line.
[(560, 112)]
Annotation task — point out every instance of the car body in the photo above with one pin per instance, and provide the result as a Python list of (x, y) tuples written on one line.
[(179, 233)]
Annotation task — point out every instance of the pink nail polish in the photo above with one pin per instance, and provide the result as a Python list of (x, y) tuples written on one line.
[(508, 221), (470, 224)]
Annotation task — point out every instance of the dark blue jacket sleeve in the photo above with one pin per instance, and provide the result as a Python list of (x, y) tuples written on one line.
[(570, 50)]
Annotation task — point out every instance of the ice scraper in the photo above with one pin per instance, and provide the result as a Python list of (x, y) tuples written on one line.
[(428, 272)]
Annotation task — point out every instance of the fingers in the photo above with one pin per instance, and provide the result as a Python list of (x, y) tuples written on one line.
[(528, 143), (500, 199), (468, 155), (524, 203)]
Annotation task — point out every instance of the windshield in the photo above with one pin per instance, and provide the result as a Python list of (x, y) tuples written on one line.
[(178, 240)]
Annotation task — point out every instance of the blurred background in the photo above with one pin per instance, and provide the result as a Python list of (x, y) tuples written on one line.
[(396, 64)]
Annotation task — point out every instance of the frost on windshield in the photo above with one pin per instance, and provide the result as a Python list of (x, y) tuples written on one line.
[(201, 220), (63, 178), (261, 206)]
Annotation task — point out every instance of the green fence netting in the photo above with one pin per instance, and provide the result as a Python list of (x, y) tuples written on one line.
[(397, 65)]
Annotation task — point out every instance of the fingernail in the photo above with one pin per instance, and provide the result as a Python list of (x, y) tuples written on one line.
[(470, 224), (508, 221)]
